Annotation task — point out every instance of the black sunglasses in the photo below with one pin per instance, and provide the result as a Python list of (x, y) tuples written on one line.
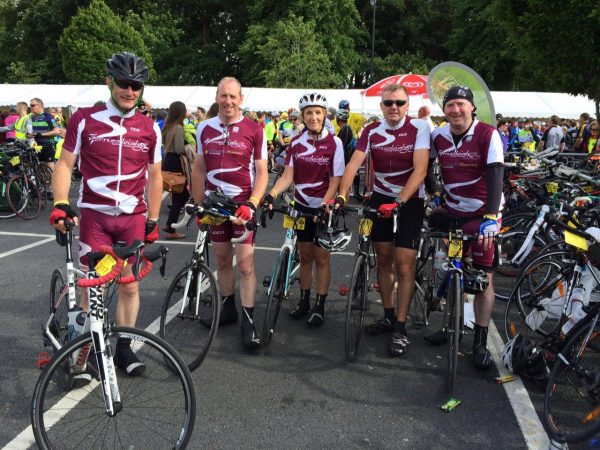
[(134, 85), (33, 104), (399, 103)]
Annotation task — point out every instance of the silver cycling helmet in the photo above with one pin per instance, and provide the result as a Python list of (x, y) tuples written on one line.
[(312, 99), (334, 240)]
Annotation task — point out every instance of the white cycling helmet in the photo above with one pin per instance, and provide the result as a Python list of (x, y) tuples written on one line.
[(335, 240), (312, 99)]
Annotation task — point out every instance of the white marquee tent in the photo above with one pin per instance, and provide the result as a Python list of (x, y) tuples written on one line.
[(510, 104)]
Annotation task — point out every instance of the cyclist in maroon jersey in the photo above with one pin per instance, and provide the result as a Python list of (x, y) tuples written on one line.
[(117, 150), (399, 150), (232, 155)]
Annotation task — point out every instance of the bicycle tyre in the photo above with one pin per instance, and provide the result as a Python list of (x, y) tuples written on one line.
[(23, 197), (356, 306), (573, 391), (537, 282), (175, 401), (510, 244), (58, 327), (43, 179), (189, 333), (275, 297), (453, 310), (422, 302)]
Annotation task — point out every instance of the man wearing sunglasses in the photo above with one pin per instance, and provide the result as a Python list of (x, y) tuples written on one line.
[(119, 159), (471, 161), (44, 128), (399, 150)]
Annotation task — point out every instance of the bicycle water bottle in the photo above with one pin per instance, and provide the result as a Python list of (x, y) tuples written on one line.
[(577, 312), (74, 328), (438, 259)]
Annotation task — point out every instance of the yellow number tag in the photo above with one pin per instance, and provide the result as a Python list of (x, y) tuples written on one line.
[(105, 265), (455, 249), (209, 220), (288, 222), (587, 189), (15, 160), (552, 187), (365, 226), (575, 240)]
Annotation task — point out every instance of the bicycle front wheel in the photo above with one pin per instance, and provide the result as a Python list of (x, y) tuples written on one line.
[(452, 322), (276, 295), (23, 197), (356, 305), (190, 314), (158, 407), (572, 401)]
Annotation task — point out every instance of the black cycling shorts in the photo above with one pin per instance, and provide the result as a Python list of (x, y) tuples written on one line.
[(47, 154), (410, 222), (310, 227)]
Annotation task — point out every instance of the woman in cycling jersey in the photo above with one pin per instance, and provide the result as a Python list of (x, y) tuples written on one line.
[(314, 163)]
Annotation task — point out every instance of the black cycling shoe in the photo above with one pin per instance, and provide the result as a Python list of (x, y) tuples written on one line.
[(438, 338), (482, 358), (316, 317), (250, 339), (300, 310), (398, 344), (380, 326), (126, 360), (227, 316)]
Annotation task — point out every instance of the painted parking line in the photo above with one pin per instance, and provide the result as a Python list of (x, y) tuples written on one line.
[(26, 247)]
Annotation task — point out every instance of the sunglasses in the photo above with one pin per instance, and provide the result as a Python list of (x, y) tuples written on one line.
[(398, 103), (33, 104), (593, 129), (134, 85)]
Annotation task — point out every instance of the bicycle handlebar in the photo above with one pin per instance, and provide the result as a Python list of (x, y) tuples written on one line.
[(195, 210)]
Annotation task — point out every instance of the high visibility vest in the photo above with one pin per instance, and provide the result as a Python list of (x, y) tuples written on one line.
[(21, 128)]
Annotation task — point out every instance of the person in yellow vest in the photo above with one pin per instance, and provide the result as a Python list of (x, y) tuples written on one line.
[(355, 120), (22, 126)]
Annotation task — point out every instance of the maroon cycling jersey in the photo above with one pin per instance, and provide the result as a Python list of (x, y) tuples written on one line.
[(229, 152), (314, 164), (391, 150), (463, 167), (114, 151)]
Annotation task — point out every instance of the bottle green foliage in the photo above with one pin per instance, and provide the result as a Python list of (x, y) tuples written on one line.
[(94, 34)]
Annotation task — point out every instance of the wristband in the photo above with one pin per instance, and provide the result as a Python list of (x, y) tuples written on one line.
[(255, 202), (490, 216), (154, 221), (343, 198), (273, 193), (61, 202)]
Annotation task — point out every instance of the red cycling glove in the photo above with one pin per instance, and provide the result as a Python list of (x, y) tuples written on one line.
[(387, 209), (61, 212), (245, 211), (151, 233)]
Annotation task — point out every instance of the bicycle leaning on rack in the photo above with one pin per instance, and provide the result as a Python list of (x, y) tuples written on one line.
[(79, 401)]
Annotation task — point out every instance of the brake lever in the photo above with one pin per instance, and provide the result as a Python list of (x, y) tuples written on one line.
[(163, 265)]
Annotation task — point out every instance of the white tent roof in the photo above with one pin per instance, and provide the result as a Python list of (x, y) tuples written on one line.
[(510, 104)]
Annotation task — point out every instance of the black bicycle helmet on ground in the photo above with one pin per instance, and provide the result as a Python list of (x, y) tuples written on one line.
[(127, 66), (522, 356)]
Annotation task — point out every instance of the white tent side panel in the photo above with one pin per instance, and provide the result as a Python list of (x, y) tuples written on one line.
[(509, 104)]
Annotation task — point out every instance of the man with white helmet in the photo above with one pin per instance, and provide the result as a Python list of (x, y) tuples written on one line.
[(314, 163)]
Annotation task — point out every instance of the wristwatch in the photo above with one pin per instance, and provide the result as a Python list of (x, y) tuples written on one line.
[(400, 202)]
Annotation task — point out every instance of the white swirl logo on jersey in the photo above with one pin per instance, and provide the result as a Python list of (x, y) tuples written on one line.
[(310, 201), (389, 138), (381, 178), (459, 202), (99, 185), (231, 190)]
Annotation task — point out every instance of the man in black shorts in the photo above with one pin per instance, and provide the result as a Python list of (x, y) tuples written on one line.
[(399, 149)]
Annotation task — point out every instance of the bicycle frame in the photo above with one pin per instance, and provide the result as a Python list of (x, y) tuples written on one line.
[(290, 243)]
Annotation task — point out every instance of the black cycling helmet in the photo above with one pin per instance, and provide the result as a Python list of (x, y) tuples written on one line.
[(219, 201), (522, 357), (127, 66)]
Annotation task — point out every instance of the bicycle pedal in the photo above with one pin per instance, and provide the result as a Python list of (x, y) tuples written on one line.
[(266, 281), (43, 358)]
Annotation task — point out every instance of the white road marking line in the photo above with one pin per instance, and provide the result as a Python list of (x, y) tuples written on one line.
[(26, 247), (25, 438), (528, 420), (14, 233)]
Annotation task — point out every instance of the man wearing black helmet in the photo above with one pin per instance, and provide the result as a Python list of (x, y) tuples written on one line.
[(119, 159), (471, 163)]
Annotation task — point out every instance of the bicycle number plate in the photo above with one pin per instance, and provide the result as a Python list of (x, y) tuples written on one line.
[(587, 189), (15, 160), (365, 226), (288, 222), (575, 241), (455, 249), (209, 220), (105, 265)]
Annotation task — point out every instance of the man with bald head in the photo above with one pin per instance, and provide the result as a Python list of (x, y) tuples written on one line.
[(424, 113), (232, 155)]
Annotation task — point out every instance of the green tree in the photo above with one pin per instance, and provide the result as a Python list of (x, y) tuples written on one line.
[(294, 42), (94, 34)]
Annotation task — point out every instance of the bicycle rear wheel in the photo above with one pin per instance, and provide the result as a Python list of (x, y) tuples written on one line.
[(422, 302), (188, 321), (452, 318), (572, 400), (357, 304), (158, 407), (23, 197), (276, 295)]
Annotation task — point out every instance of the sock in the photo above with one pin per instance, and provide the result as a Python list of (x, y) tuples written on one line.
[(321, 301), (389, 314), (480, 337), (123, 342), (304, 298), (248, 313), (400, 327), (228, 301)]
